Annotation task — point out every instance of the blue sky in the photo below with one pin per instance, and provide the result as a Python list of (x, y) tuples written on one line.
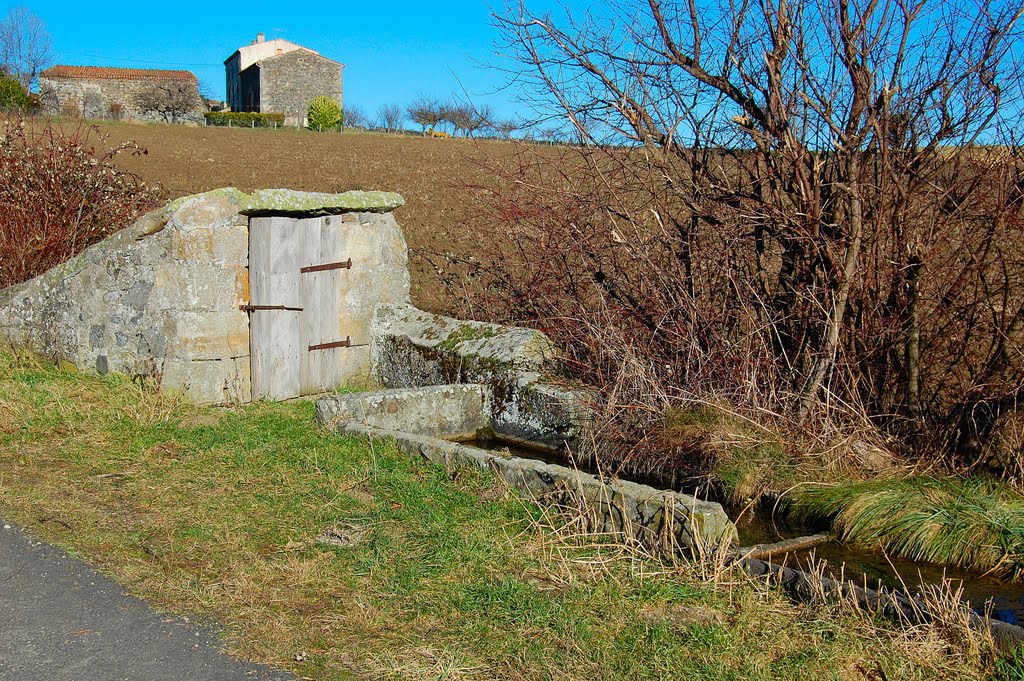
[(391, 50)]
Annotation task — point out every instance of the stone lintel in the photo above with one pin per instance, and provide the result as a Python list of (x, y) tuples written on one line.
[(291, 203)]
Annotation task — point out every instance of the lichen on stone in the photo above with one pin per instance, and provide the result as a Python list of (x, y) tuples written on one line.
[(312, 204)]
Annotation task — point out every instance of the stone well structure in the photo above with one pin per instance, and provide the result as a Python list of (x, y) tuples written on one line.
[(177, 297)]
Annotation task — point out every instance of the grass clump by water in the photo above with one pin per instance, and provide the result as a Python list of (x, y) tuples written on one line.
[(971, 523), (743, 459)]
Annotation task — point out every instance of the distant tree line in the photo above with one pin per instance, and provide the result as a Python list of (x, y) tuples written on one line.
[(433, 116)]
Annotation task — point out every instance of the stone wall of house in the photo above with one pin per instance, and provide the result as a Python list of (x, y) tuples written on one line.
[(160, 299), (288, 83), (101, 98)]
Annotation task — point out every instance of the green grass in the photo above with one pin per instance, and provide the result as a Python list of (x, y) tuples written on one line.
[(972, 523), (215, 513)]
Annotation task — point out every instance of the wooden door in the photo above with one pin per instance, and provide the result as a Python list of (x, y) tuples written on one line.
[(296, 277)]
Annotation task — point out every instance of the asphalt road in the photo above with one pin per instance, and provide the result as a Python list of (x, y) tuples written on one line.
[(60, 620)]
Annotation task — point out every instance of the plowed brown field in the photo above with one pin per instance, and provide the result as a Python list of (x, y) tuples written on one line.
[(432, 174)]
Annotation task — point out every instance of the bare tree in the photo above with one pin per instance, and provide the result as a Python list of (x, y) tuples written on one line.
[(355, 117), (506, 127), (761, 186), (172, 102), (25, 45), (478, 119), (390, 116), (425, 111)]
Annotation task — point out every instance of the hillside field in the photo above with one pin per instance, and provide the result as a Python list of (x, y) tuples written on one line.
[(432, 174)]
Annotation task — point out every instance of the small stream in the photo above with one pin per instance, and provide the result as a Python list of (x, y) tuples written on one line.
[(858, 565), (1006, 599)]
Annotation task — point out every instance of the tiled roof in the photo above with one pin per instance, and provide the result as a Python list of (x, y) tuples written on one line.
[(112, 73)]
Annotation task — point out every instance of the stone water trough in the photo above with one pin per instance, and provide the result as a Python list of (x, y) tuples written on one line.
[(455, 382)]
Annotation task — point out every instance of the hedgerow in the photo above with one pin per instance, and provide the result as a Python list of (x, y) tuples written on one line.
[(244, 119)]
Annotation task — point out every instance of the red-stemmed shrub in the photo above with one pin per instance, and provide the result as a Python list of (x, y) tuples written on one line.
[(59, 195)]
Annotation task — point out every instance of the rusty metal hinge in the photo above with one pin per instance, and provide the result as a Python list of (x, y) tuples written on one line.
[(344, 265), (251, 308), (347, 343)]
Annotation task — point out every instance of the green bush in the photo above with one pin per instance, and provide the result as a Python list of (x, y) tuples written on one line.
[(324, 114), (244, 119), (12, 95)]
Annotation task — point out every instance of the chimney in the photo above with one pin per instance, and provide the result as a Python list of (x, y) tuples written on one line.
[(260, 37)]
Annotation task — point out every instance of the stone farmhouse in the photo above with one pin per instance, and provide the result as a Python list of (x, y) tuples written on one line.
[(278, 76), (132, 94)]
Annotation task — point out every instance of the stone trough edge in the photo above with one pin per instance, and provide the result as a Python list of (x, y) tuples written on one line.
[(655, 518)]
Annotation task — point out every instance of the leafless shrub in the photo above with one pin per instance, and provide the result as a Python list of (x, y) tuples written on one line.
[(58, 196), (811, 210)]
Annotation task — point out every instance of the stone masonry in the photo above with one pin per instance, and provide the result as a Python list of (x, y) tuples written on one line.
[(290, 81), (134, 94), (161, 298)]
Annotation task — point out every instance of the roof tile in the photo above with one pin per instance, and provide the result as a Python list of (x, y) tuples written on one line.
[(113, 73)]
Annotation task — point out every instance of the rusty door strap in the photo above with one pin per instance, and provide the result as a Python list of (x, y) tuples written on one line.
[(253, 308), (347, 343), (344, 265)]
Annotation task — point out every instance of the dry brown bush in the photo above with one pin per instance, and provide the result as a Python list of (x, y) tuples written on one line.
[(809, 210), (58, 195)]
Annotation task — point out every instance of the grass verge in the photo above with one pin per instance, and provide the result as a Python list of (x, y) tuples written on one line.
[(217, 514)]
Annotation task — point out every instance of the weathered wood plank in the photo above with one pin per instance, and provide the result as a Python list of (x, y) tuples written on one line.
[(331, 326), (309, 290), (275, 335)]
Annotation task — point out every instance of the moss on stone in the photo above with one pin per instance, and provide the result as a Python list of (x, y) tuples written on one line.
[(289, 202), (466, 332)]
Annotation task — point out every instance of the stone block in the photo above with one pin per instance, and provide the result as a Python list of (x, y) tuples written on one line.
[(202, 211), (231, 245), (447, 411), (211, 335), (542, 414), (218, 381), (195, 287), (412, 348), (193, 245)]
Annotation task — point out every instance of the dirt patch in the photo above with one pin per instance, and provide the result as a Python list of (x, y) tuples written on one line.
[(344, 535)]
